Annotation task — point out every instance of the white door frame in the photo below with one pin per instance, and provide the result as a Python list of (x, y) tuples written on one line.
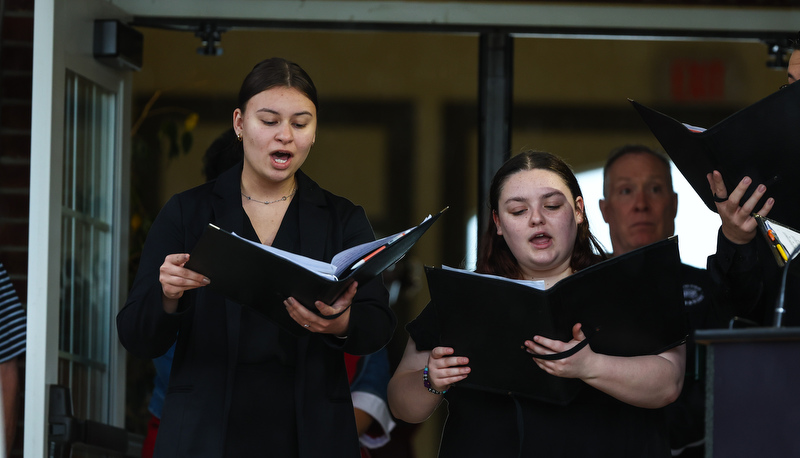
[(63, 33)]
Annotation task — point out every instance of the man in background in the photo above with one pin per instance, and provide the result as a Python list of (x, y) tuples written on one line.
[(640, 206)]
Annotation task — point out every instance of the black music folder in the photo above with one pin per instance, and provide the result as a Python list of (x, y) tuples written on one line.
[(262, 277), (759, 141), (628, 305)]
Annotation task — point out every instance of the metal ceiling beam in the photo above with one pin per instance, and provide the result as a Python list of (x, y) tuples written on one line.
[(635, 21)]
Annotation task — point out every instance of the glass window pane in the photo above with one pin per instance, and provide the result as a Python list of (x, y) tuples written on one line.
[(87, 254)]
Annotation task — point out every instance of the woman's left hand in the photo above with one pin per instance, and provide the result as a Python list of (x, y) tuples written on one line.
[(738, 224), (315, 323), (575, 366)]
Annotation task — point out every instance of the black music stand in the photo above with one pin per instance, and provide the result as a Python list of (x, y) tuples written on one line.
[(752, 391)]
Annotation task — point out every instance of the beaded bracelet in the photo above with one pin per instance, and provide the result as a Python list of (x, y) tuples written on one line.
[(427, 383)]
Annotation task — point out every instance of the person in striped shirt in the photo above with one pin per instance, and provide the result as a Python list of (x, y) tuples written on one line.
[(12, 346)]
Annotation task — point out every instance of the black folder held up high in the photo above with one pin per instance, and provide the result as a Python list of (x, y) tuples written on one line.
[(759, 141), (262, 277), (629, 305)]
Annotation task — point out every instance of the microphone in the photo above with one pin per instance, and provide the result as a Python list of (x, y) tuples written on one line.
[(779, 310)]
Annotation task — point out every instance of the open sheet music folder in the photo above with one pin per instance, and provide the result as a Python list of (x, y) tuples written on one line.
[(261, 277), (782, 240), (759, 141), (628, 305)]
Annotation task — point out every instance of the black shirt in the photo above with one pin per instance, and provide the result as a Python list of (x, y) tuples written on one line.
[(594, 424)]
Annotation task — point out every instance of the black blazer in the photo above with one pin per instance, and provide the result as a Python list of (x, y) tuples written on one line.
[(207, 325)]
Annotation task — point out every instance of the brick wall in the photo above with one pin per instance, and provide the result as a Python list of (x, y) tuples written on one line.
[(16, 62)]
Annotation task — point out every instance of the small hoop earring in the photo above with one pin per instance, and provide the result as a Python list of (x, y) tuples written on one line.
[(239, 136)]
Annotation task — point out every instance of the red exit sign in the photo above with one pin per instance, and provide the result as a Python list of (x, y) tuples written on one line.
[(697, 80)]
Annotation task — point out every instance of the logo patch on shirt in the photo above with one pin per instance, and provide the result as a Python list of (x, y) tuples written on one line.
[(692, 294)]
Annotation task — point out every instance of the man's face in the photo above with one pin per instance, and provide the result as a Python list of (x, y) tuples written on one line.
[(639, 204), (794, 67)]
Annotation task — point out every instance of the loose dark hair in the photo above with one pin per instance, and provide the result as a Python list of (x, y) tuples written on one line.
[(274, 72), (494, 255), (223, 153), (624, 150)]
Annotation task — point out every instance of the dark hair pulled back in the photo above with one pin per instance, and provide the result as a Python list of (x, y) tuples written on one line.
[(276, 72)]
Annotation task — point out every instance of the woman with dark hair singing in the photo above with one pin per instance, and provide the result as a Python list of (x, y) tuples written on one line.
[(241, 385), (539, 231)]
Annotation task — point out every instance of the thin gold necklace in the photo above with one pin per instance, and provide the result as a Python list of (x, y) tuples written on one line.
[(267, 202)]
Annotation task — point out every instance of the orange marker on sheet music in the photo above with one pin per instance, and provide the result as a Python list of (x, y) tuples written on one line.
[(367, 257), (770, 231), (771, 235)]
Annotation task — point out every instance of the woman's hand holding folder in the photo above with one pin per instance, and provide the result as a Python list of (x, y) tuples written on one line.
[(444, 369), (738, 224), (176, 279), (320, 324), (575, 366)]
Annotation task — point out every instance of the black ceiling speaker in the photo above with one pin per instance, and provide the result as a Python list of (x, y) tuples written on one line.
[(118, 45)]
